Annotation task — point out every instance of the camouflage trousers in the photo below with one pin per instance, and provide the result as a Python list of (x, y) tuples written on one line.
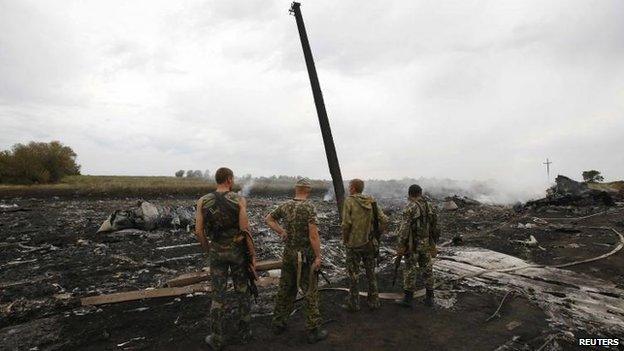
[(287, 291), (356, 258), (224, 265), (418, 264)]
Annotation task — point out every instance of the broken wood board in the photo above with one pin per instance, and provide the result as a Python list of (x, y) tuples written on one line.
[(160, 292), (196, 277), (143, 294)]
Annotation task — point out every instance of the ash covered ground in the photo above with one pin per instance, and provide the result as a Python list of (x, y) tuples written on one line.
[(51, 256)]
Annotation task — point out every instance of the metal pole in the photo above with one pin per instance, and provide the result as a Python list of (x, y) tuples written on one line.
[(328, 140)]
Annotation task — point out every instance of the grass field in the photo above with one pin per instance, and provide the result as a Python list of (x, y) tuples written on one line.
[(141, 186)]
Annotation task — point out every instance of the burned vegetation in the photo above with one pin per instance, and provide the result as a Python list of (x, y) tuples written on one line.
[(116, 273)]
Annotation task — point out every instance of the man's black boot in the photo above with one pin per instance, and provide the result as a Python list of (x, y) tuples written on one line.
[(407, 299), (316, 335), (429, 297)]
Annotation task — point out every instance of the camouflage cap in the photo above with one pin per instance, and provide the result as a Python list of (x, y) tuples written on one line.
[(303, 182)]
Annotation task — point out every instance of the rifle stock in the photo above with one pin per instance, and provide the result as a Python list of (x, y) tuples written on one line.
[(376, 230), (397, 264), (249, 253)]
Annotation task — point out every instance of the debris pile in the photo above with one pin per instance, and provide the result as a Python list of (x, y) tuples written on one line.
[(143, 282), (568, 192), (147, 216)]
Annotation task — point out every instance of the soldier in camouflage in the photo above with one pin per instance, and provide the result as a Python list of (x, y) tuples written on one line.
[(221, 222), (358, 217), (417, 237), (300, 262)]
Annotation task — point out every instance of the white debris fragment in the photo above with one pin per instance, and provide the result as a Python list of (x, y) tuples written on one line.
[(450, 206)]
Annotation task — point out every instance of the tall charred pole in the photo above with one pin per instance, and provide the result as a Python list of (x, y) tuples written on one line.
[(328, 140)]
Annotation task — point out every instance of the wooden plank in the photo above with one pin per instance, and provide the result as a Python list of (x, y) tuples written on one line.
[(196, 277), (143, 294), (177, 246), (155, 293)]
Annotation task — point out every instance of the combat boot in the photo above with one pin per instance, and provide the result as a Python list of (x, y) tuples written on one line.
[(278, 329), (349, 307), (213, 343), (316, 335), (246, 336), (407, 299), (373, 302), (429, 297)]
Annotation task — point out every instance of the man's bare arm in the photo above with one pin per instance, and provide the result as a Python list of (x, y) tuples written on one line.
[(243, 225), (199, 227), (272, 223), (243, 219), (315, 242)]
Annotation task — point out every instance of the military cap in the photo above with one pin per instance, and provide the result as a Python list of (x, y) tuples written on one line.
[(303, 182)]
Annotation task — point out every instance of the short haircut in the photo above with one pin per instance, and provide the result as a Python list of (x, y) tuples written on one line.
[(358, 185), (222, 175), (414, 190)]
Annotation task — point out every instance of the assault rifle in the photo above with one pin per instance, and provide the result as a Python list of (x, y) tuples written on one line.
[(323, 275), (376, 231), (249, 252), (397, 264)]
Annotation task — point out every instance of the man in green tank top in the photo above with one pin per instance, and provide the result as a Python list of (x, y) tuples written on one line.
[(220, 227)]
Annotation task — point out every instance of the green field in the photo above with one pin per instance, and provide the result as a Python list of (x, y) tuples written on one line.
[(142, 186)]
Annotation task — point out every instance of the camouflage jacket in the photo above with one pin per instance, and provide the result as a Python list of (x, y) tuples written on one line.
[(419, 225), (231, 231), (295, 215), (357, 219)]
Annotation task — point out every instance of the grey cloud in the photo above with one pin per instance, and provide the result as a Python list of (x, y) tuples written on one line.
[(456, 89)]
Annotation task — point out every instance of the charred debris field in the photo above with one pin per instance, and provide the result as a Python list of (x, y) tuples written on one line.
[(537, 276)]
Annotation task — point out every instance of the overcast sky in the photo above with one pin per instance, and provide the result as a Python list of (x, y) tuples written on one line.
[(450, 89)]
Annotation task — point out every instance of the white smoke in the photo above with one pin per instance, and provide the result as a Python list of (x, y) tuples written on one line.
[(491, 191), (246, 190), (329, 195)]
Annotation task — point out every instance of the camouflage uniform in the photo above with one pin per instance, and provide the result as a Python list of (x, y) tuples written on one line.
[(226, 258), (357, 226), (296, 215), (418, 234)]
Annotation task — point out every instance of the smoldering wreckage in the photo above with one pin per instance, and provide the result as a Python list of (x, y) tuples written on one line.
[(122, 274)]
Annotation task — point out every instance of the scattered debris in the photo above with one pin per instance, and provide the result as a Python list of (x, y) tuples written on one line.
[(568, 192), (147, 216), (93, 278), (496, 313), (123, 344), (449, 206)]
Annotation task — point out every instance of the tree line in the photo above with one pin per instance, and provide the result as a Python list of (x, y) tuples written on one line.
[(37, 163)]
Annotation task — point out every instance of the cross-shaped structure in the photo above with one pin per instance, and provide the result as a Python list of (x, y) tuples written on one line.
[(548, 163)]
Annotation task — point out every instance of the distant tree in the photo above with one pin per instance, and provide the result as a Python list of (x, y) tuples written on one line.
[(194, 173), (592, 176), (245, 178), (37, 162), (179, 173), (207, 174)]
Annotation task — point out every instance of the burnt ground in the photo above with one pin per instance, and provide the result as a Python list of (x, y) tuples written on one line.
[(50, 255)]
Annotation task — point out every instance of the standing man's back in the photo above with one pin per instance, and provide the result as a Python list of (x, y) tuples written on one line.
[(362, 223), (222, 228), (300, 262), (417, 237)]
